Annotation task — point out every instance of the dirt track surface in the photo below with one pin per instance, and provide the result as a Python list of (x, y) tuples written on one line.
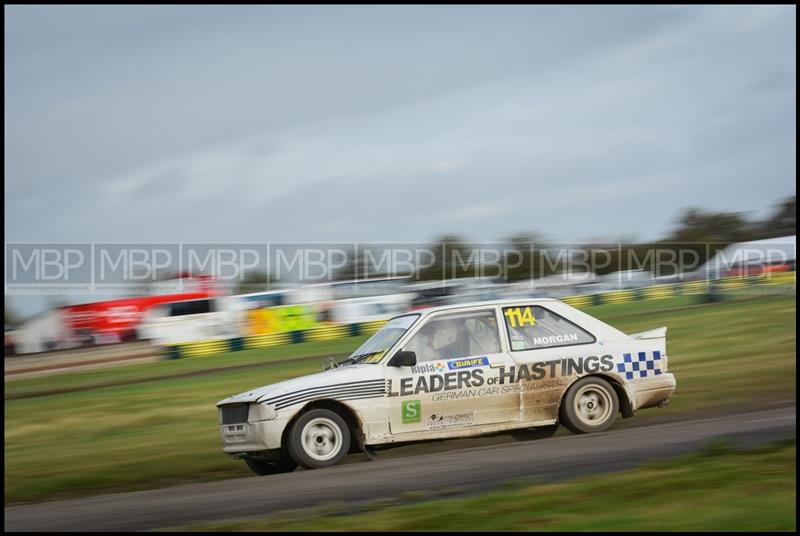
[(78, 359), (467, 469)]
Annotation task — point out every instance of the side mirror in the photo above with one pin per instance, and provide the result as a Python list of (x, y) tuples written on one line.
[(403, 359)]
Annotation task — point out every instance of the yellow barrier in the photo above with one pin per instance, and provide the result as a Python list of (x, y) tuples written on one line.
[(292, 317), (659, 292), (734, 283), (695, 287), (780, 278), (619, 296), (327, 333), (270, 339), (578, 301), (202, 348), (372, 327)]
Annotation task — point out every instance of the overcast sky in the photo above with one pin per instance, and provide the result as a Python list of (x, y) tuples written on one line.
[(392, 123)]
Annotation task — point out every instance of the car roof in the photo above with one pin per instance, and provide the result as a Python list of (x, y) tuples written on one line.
[(491, 303)]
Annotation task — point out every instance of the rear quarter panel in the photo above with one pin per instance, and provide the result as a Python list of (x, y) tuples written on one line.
[(635, 365)]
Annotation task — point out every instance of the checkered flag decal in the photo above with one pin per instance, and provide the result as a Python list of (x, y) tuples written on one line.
[(641, 367)]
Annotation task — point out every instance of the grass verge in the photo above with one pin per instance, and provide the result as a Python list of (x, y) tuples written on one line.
[(162, 432), (715, 490), (157, 371)]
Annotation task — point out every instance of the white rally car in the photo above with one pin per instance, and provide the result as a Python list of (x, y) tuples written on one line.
[(455, 371)]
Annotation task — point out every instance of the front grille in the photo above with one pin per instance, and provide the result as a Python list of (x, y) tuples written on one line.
[(233, 413)]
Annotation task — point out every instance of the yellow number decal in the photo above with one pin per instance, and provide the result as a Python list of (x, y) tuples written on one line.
[(527, 317), (520, 316)]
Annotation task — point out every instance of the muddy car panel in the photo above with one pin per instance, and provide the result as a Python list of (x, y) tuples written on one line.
[(513, 378)]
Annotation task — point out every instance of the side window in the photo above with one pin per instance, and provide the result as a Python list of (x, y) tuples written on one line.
[(194, 307), (456, 335), (531, 327)]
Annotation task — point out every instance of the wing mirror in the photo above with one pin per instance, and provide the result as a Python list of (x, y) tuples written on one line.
[(403, 358)]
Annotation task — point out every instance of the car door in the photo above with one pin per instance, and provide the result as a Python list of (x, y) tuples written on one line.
[(453, 388), (549, 352)]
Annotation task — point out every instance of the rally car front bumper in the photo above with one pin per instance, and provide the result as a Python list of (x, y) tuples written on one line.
[(252, 436)]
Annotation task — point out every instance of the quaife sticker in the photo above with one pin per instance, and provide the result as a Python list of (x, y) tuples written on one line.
[(468, 363), (412, 411)]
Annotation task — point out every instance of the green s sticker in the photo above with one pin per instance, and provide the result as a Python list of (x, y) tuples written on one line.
[(412, 411)]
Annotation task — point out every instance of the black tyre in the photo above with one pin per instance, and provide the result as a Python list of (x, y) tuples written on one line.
[(266, 467), (318, 438), (590, 405), (540, 432)]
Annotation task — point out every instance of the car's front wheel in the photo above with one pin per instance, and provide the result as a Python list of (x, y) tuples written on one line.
[(590, 405), (318, 438)]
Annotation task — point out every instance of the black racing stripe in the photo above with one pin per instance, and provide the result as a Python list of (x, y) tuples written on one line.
[(335, 396), (326, 389), (310, 389), (312, 398), (364, 396), (333, 391), (338, 392)]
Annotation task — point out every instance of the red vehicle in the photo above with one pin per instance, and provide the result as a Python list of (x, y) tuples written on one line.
[(745, 270), (116, 320)]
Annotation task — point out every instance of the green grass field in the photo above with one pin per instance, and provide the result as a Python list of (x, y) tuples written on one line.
[(164, 431), (716, 490), (163, 369)]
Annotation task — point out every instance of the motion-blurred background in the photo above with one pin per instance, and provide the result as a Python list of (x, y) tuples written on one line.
[(204, 199)]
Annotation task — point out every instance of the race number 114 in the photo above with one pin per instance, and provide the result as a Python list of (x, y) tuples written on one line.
[(520, 316)]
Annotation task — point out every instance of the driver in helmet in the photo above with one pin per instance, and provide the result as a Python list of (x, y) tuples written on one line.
[(447, 341)]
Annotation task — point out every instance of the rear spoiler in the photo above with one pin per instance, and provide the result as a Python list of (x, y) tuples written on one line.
[(658, 333)]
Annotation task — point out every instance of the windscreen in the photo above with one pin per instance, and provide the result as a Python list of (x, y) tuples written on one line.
[(373, 350)]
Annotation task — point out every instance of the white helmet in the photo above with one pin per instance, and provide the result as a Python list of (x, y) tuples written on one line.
[(446, 333)]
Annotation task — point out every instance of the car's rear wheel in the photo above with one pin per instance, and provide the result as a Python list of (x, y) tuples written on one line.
[(590, 405), (268, 467), (318, 438), (541, 432)]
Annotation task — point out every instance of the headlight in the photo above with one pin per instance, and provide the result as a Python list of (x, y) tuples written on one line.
[(261, 412)]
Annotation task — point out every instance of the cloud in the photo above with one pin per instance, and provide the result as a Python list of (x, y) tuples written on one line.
[(446, 165), (392, 122)]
